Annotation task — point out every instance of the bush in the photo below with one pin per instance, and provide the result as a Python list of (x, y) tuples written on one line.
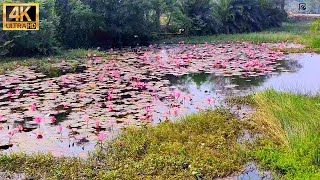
[(239, 16)]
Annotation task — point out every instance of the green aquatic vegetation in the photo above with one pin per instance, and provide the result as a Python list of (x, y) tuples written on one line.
[(292, 124), (202, 145), (46, 66)]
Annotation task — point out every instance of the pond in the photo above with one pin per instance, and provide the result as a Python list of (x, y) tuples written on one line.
[(68, 115), (299, 75)]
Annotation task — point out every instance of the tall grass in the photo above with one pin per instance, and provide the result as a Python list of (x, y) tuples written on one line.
[(293, 122), (288, 32), (314, 38)]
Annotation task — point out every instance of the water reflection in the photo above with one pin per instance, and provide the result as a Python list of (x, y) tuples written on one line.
[(299, 75)]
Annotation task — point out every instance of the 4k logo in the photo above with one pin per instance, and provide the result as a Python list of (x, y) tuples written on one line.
[(21, 16)]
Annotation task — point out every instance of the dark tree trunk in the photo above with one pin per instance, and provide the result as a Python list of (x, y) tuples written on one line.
[(158, 14)]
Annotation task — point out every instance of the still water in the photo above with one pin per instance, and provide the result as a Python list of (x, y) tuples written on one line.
[(301, 74)]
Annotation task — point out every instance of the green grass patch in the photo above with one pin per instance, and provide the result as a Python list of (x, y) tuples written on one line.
[(241, 100), (203, 145), (292, 123), (295, 32), (73, 54), (47, 66)]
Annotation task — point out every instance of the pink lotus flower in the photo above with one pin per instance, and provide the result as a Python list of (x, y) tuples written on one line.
[(10, 94), (101, 79), (102, 137), (175, 112), (20, 128), (110, 109), (148, 109), (111, 123), (38, 120), (60, 130), (33, 107), (39, 136), (53, 119), (17, 92), (177, 94), (11, 133), (110, 97), (97, 124)]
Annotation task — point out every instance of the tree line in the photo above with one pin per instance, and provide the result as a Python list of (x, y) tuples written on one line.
[(118, 23)]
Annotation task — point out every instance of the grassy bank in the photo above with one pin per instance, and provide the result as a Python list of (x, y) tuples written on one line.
[(48, 65), (203, 145), (292, 122), (288, 32), (293, 32)]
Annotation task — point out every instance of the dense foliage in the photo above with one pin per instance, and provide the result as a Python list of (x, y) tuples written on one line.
[(108, 23)]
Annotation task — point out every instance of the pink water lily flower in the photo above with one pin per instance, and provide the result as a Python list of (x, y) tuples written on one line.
[(60, 130), (148, 109), (111, 123), (20, 128), (33, 107), (38, 120), (10, 94), (97, 123), (11, 133), (102, 137), (110, 97), (177, 94), (110, 108), (175, 112), (53, 119), (17, 92)]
